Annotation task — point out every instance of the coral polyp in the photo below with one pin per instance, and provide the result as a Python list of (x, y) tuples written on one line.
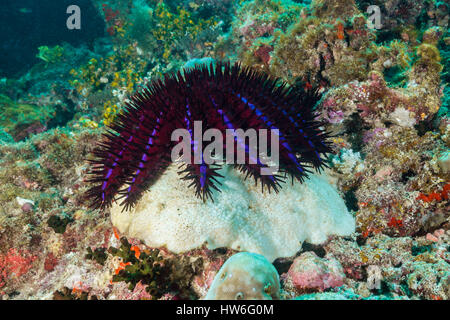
[(138, 145)]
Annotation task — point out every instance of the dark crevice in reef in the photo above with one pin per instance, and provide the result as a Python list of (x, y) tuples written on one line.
[(59, 224), (355, 129), (221, 250), (64, 113), (317, 249), (361, 241), (350, 199), (283, 264), (395, 77), (429, 124), (416, 250), (407, 175)]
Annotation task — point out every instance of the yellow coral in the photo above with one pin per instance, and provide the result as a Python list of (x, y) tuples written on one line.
[(87, 123), (428, 52), (110, 111), (171, 26)]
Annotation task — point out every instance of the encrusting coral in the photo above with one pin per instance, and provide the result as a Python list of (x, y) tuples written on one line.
[(245, 276), (337, 46)]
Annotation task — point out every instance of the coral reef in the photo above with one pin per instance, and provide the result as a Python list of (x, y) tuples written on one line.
[(255, 27), (375, 226), (402, 266), (326, 43)]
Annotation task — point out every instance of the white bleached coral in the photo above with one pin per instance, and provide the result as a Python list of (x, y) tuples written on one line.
[(403, 117), (348, 162), (241, 217), (444, 162)]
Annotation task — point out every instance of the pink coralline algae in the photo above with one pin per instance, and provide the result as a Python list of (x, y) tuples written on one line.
[(139, 293), (202, 282), (310, 273), (50, 262), (436, 235), (331, 111), (257, 29), (335, 116), (263, 53), (14, 264), (377, 135)]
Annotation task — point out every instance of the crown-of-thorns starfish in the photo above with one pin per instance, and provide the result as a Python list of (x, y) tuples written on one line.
[(136, 148)]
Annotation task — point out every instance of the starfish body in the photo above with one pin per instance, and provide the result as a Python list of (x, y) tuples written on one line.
[(137, 147)]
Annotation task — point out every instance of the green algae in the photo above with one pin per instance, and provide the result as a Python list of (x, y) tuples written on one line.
[(59, 224), (146, 268), (98, 254), (18, 119), (50, 54)]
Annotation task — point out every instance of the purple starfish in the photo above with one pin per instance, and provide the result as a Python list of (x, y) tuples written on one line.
[(137, 147)]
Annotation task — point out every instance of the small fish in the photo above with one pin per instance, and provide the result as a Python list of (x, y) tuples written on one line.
[(25, 10)]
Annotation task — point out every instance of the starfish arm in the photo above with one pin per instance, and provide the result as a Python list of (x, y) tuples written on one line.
[(109, 167)]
